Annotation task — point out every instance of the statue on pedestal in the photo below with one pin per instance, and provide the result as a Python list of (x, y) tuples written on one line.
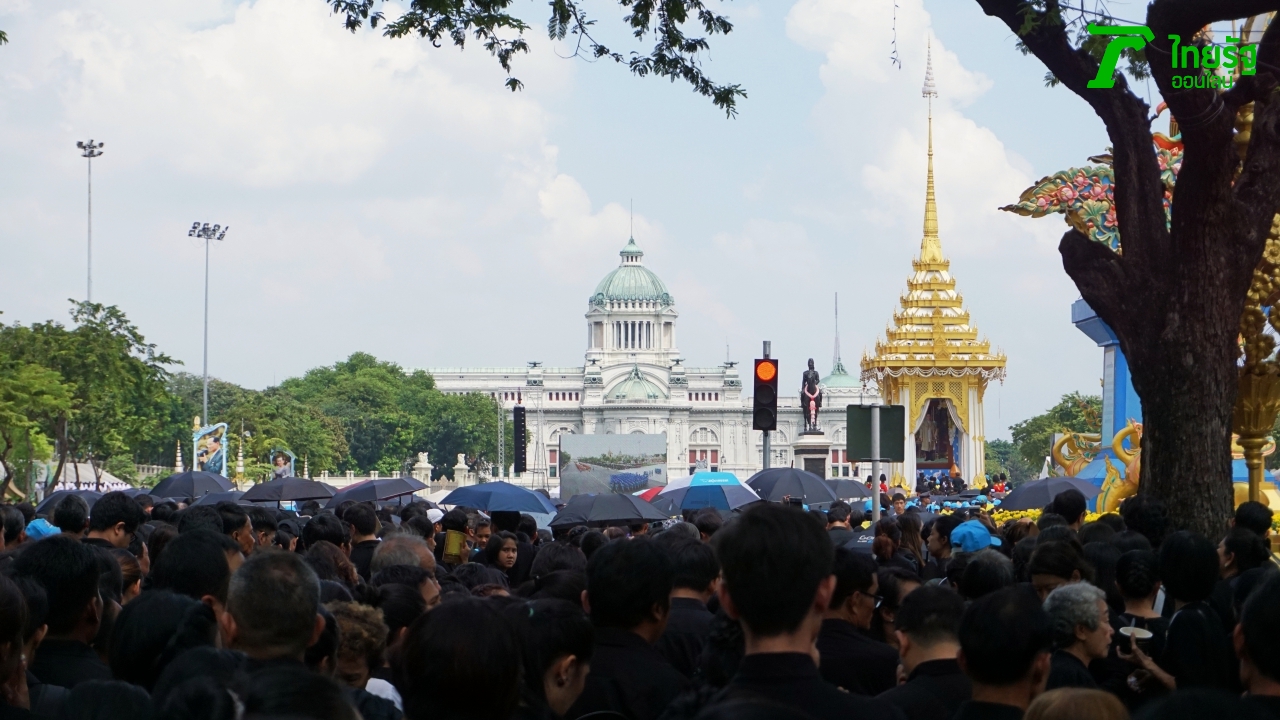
[(810, 399)]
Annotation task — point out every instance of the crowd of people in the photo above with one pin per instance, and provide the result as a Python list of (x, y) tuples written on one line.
[(142, 609)]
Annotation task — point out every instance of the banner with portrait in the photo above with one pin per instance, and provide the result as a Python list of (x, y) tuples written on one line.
[(210, 444)]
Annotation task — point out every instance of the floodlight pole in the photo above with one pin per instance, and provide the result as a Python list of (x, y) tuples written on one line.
[(768, 347), (89, 151), (207, 233)]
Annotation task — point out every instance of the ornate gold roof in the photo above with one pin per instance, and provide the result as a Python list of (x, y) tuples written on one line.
[(932, 333)]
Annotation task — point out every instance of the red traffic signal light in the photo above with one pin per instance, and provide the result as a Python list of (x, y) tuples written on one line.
[(766, 370), (764, 413)]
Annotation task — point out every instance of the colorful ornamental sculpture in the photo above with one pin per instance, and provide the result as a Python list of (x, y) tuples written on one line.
[(932, 362), (1086, 195)]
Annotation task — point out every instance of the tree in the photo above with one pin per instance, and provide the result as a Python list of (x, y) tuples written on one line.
[(1005, 457), (1074, 413), (675, 55), (1174, 298), (388, 415), (31, 397), (116, 380)]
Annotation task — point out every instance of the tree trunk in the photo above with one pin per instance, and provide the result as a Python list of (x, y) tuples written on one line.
[(1175, 296)]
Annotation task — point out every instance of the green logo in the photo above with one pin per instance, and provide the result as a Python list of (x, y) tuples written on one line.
[(1128, 37), (1136, 37)]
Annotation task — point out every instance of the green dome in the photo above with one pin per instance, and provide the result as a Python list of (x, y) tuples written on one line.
[(840, 379), (636, 389), (631, 281)]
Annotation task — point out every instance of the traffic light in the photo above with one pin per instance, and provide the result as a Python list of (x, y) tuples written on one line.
[(764, 413), (521, 439)]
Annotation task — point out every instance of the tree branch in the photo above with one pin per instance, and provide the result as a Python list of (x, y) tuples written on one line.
[(1100, 276)]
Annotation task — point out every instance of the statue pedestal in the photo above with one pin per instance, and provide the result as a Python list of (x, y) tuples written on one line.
[(813, 453)]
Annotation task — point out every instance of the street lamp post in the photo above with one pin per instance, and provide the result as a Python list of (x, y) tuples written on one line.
[(207, 232), (90, 151)]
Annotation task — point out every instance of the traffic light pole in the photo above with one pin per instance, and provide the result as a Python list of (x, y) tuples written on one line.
[(768, 346), (875, 463)]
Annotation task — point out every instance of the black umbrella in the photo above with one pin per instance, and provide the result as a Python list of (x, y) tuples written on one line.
[(375, 490), (215, 498), (287, 489), (191, 484), (1035, 494), (777, 484), (605, 509), (848, 489), (46, 507)]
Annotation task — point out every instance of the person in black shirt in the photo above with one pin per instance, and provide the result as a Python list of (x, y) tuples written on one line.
[(850, 659), (629, 599), (927, 624), (777, 581), (1255, 643), (69, 572), (1197, 652), (364, 537), (840, 523), (114, 520), (1081, 634), (1004, 649), (697, 576), (1138, 579)]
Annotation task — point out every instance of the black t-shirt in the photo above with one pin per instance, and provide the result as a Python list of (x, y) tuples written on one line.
[(1198, 652), (1066, 670)]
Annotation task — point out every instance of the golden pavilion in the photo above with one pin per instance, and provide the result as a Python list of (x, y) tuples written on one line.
[(932, 362)]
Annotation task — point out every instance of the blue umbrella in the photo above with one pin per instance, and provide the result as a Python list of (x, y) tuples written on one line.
[(499, 496), (720, 490)]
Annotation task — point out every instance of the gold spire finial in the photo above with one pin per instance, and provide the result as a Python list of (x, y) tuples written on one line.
[(931, 245)]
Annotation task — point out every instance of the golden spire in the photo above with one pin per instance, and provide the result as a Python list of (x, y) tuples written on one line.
[(931, 245)]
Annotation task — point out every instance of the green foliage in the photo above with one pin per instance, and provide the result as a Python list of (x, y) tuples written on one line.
[(1003, 456), (388, 416), (1074, 413), (105, 396), (1040, 14), (31, 397), (117, 380), (122, 467), (675, 55)]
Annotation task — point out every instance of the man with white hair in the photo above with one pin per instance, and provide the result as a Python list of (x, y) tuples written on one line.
[(1081, 633)]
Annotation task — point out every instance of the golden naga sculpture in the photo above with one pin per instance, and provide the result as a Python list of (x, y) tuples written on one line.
[(1073, 451), (1117, 486)]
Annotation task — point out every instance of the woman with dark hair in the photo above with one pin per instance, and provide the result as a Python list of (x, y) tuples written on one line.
[(564, 585), (330, 563), (894, 584), (912, 542), (1239, 552), (459, 662), (131, 571), (160, 537), (1138, 580), (153, 630), (557, 640), (500, 553), (1197, 651), (1056, 563), (887, 546)]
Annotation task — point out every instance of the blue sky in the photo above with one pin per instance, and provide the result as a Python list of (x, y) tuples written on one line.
[(394, 198)]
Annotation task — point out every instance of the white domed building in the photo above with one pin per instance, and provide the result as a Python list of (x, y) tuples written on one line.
[(634, 380)]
